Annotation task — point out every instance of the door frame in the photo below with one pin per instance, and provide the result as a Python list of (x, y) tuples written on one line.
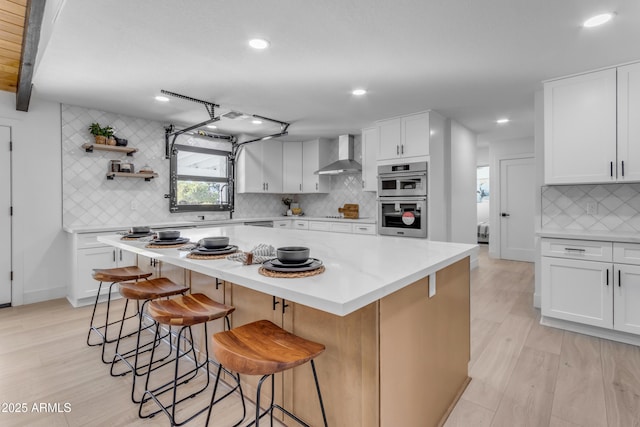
[(495, 179), (10, 183)]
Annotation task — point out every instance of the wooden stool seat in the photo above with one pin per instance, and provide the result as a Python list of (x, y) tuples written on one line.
[(151, 289), (262, 348), (119, 274), (187, 310)]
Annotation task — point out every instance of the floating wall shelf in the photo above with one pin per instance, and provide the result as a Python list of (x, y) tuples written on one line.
[(145, 176), (127, 150)]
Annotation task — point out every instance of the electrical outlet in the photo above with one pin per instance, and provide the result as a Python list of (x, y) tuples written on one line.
[(592, 208)]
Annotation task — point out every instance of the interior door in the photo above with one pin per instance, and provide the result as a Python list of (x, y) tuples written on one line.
[(517, 200), (5, 216)]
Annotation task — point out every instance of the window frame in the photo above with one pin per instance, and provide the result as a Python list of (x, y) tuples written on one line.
[(175, 178)]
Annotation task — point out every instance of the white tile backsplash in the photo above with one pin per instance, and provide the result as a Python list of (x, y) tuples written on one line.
[(564, 207), (89, 199)]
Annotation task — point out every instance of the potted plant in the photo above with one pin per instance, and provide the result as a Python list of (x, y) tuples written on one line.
[(101, 133)]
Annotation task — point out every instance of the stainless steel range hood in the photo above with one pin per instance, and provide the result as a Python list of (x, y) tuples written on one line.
[(345, 163)]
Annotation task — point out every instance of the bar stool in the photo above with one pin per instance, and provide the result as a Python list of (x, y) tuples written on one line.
[(262, 348), (113, 275), (185, 311), (145, 291)]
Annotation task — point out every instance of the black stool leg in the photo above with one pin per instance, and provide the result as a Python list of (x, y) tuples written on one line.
[(315, 377), (93, 315)]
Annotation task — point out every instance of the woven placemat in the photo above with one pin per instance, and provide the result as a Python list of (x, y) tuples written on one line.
[(293, 275), (177, 245), (191, 255)]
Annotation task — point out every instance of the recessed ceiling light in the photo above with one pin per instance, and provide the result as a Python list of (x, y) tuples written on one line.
[(502, 121), (259, 43), (212, 126), (359, 92), (162, 98), (594, 21), (256, 122)]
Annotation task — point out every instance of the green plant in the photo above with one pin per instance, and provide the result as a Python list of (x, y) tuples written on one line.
[(96, 130)]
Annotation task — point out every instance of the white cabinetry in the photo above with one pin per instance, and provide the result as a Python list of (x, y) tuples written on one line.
[(300, 224), (315, 155), (88, 254), (370, 143), (260, 167), (404, 137), (590, 131), (592, 283), (291, 167), (282, 224)]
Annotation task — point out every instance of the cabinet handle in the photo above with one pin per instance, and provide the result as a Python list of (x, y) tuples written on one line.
[(362, 228), (120, 254), (275, 302), (607, 277), (300, 187), (397, 149), (316, 186), (284, 305), (574, 250), (611, 169), (363, 183), (402, 149), (114, 255), (619, 278), (622, 168)]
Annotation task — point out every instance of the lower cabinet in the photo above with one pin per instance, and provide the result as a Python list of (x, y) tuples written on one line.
[(603, 293)]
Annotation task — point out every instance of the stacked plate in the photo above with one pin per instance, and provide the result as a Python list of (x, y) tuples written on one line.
[(132, 235), (229, 249), (288, 267), (168, 242)]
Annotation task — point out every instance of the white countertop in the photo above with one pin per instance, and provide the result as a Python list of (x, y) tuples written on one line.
[(207, 223), (604, 236), (360, 269)]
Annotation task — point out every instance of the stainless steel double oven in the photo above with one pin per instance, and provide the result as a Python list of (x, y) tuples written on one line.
[(402, 199)]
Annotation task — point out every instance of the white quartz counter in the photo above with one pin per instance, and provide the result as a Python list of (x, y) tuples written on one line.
[(208, 223), (604, 236), (360, 269)]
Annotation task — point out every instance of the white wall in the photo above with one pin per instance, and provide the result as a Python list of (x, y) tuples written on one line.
[(482, 156), (500, 150), (463, 185), (39, 244)]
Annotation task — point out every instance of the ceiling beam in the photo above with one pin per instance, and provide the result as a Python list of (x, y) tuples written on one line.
[(32, 26)]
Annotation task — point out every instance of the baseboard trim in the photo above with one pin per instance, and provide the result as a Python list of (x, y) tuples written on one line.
[(537, 300), (43, 295), (595, 331)]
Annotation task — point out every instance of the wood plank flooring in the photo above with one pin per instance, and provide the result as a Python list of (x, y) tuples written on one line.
[(524, 374)]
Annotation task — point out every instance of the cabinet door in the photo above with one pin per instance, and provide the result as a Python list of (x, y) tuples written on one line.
[(340, 227), (250, 169), (292, 167), (628, 123), (126, 258), (580, 291), (415, 135), (89, 259), (315, 155), (319, 226), (370, 141), (390, 139), (580, 124), (149, 265), (272, 165), (626, 306)]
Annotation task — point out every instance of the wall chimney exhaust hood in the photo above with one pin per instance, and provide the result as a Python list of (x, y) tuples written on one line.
[(345, 163)]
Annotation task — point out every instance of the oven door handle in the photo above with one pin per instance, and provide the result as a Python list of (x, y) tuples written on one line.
[(402, 199)]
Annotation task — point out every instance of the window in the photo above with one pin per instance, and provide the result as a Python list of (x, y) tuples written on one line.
[(200, 179)]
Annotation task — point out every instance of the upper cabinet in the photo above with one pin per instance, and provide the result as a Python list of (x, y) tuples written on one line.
[(260, 167), (291, 167), (370, 143), (315, 155), (404, 137), (589, 136)]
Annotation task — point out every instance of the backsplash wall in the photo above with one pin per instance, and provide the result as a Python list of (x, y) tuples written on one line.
[(618, 207), (89, 199)]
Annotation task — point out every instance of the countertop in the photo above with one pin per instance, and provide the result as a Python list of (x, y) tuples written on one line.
[(604, 236), (360, 269), (208, 223)]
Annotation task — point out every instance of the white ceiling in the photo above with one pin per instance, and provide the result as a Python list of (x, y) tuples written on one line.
[(473, 61)]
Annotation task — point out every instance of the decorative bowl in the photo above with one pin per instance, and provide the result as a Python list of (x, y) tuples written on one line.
[(214, 242), (292, 254), (140, 229), (168, 234)]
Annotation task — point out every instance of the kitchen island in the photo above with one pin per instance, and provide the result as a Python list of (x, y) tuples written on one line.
[(393, 313)]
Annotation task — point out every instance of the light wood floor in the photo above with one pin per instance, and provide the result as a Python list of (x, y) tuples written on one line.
[(523, 374)]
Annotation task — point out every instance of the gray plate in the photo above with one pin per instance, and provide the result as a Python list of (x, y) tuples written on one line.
[(170, 242), (277, 263), (137, 235), (313, 266), (226, 250)]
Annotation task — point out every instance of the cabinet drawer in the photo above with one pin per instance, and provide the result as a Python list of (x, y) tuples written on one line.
[(626, 253), (364, 228), (578, 249), (319, 225), (301, 225), (340, 227), (282, 224)]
